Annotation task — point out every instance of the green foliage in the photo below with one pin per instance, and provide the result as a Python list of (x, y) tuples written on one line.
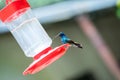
[(34, 3), (118, 13), (118, 3), (118, 10), (38, 3)]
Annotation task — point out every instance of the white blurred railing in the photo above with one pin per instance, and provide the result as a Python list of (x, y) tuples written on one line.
[(67, 9)]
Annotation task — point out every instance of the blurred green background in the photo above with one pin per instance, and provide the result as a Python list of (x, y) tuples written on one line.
[(35, 3), (76, 62)]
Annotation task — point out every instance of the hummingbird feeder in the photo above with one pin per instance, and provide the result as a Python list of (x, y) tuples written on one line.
[(30, 35)]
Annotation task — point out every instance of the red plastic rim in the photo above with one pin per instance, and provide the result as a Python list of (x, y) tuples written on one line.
[(13, 10), (42, 53), (46, 60)]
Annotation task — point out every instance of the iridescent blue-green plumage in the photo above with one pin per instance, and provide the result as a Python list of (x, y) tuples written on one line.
[(65, 40)]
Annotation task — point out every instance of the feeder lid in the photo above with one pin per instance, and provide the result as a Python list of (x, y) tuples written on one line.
[(46, 59), (13, 9)]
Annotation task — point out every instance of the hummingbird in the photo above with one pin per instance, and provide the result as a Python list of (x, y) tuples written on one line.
[(65, 39)]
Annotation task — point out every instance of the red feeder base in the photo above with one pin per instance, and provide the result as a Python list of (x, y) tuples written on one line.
[(46, 59)]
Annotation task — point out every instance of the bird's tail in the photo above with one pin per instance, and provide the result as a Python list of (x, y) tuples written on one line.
[(75, 44), (78, 45)]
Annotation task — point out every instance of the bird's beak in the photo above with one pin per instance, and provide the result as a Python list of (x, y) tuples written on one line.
[(56, 36)]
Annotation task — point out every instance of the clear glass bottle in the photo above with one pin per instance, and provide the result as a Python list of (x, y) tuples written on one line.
[(29, 34)]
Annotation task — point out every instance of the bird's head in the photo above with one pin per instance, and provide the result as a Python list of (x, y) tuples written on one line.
[(61, 34)]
